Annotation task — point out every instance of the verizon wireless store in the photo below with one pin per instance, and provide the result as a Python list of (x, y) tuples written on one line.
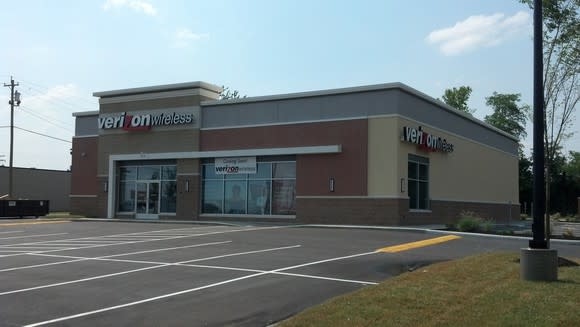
[(381, 154)]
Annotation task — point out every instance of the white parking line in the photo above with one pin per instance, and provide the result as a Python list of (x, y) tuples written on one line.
[(143, 301), (77, 259), (144, 241), (88, 238), (29, 246), (187, 264), (88, 241), (11, 232), (34, 248), (27, 236), (160, 265), (130, 304)]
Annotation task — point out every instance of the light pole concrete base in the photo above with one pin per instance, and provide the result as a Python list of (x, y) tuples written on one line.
[(539, 264)]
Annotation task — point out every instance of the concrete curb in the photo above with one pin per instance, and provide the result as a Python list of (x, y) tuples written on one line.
[(432, 229)]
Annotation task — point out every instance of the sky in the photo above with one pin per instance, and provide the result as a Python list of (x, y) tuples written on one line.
[(61, 51)]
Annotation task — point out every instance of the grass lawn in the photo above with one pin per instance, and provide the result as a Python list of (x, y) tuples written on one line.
[(483, 290)]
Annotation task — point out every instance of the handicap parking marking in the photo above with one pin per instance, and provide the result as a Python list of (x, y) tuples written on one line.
[(418, 244)]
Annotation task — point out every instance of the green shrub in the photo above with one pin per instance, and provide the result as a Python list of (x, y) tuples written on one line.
[(568, 233), (486, 226), (469, 221)]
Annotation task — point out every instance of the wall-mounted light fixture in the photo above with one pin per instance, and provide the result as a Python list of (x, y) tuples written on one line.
[(106, 187), (331, 186), (403, 184), (186, 186)]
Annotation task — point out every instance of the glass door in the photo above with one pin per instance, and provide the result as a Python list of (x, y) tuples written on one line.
[(153, 198), (147, 200)]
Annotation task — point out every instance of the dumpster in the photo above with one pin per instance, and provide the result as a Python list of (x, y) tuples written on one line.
[(24, 208)]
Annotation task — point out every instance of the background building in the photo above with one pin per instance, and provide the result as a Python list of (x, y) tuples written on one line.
[(39, 184), (379, 154)]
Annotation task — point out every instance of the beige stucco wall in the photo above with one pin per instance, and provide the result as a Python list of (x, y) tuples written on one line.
[(145, 142), (473, 172), (383, 148)]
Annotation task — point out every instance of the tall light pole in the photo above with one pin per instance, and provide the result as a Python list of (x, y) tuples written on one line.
[(538, 262), (14, 101), (539, 191)]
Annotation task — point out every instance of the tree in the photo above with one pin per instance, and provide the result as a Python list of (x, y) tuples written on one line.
[(573, 165), (228, 93), (561, 39), (511, 118), (507, 114), (458, 97)]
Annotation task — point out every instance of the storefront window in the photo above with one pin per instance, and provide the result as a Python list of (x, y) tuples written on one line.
[(418, 177), (147, 189), (212, 199), (128, 173), (148, 173), (284, 170), (283, 197), (168, 196), (270, 191), (168, 173), (235, 197), (259, 197), (127, 196)]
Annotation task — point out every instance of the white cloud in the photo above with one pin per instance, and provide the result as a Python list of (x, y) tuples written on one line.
[(184, 37), (479, 31), (136, 5)]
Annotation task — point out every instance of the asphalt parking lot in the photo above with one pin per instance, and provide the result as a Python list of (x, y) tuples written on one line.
[(146, 274)]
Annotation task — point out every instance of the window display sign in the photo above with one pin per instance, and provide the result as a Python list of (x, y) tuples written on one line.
[(237, 165)]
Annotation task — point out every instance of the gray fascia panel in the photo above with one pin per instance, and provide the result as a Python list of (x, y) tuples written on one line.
[(86, 125), (159, 88)]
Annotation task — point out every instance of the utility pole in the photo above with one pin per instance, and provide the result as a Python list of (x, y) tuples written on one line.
[(14, 101)]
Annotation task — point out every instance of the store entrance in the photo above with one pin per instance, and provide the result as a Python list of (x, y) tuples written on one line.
[(147, 200)]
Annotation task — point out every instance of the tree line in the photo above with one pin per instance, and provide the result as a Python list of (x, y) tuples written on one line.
[(561, 41)]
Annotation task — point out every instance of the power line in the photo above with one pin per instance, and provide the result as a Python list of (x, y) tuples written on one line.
[(46, 119), (53, 99), (43, 89), (37, 133)]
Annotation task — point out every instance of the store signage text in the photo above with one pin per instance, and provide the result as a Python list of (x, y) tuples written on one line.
[(426, 141), (238, 165), (143, 122)]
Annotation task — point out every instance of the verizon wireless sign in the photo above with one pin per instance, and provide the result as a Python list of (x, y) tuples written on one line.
[(426, 141), (144, 121)]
